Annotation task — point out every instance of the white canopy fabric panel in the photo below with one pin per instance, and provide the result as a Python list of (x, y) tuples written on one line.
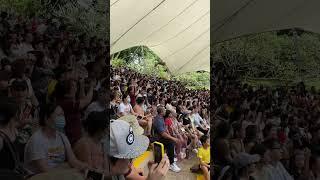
[(178, 31), (231, 19)]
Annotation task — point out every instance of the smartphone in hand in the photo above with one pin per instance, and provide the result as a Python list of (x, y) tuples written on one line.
[(158, 151)]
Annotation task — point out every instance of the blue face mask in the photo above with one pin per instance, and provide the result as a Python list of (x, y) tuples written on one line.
[(60, 123)]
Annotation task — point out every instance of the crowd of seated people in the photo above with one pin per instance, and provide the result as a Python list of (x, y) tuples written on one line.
[(280, 125), (52, 85), (167, 111), (54, 104)]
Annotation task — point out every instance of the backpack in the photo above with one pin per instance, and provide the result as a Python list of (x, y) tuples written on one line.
[(19, 172)]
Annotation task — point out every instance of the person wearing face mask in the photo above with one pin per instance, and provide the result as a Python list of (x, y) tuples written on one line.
[(48, 148), (125, 107), (72, 105)]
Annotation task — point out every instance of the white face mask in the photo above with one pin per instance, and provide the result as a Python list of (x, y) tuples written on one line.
[(60, 123), (129, 100)]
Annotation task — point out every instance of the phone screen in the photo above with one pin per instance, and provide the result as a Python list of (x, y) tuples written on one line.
[(157, 153), (94, 175)]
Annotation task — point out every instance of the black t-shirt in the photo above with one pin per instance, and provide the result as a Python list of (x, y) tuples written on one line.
[(178, 110), (150, 98), (8, 154), (186, 120), (220, 151)]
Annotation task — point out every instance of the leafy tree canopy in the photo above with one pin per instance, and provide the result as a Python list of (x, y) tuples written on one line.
[(80, 16), (287, 56), (143, 60)]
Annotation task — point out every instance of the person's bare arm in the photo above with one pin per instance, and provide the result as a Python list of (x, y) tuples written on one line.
[(225, 150), (81, 151), (203, 126), (158, 171), (87, 98), (170, 129), (203, 163), (135, 109), (73, 161), (137, 91), (32, 96), (167, 136), (134, 113), (34, 100), (148, 115)]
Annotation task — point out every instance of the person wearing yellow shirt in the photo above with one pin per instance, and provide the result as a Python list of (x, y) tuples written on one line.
[(204, 156)]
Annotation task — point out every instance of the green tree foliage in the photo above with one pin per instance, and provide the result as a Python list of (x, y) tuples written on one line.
[(90, 17), (23, 7), (85, 16), (80, 16), (143, 60), (117, 62), (195, 80), (284, 57)]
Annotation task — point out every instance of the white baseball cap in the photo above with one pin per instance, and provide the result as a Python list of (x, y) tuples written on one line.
[(133, 122), (124, 143)]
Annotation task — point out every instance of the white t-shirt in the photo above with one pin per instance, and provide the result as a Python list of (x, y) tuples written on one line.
[(197, 120), (125, 109), (278, 172), (40, 147)]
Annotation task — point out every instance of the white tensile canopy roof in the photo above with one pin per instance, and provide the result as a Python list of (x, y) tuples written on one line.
[(234, 18), (178, 31)]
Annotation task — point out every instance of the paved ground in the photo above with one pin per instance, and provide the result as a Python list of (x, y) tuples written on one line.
[(185, 173)]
